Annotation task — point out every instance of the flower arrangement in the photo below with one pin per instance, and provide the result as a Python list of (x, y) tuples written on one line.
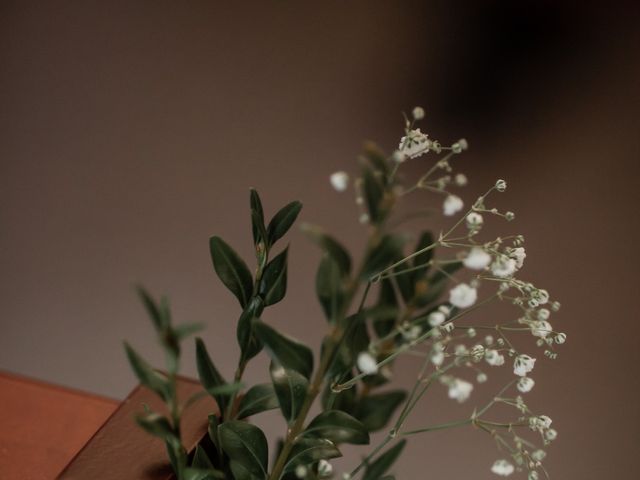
[(424, 305)]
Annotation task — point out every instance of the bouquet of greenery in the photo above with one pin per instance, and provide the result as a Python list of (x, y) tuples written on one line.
[(423, 306)]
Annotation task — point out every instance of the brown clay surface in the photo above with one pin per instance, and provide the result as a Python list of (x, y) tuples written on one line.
[(43, 426), (120, 450)]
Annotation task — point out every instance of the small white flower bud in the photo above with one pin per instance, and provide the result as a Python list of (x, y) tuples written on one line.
[(561, 338), (509, 216), (482, 377), (418, 113), (452, 205), (367, 364), (325, 469), (460, 179), (301, 471), (436, 318), (339, 181), (501, 185), (463, 144), (474, 221), (551, 434)]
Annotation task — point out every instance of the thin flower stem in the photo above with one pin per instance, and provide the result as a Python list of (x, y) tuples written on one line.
[(442, 426)]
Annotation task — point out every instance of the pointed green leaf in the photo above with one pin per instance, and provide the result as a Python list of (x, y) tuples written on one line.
[(192, 473), (212, 430), (379, 467), (273, 285), (240, 472), (245, 444), (187, 329), (386, 252), (330, 246), (147, 376), (258, 398), (339, 427), (159, 318), (376, 158), (200, 459), (287, 351), (375, 411), (291, 389), (156, 425), (330, 288), (249, 344), (210, 377), (423, 259), (282, 221), (374, 195), (383, 316), (257, 218), (310, 450), (231, 269)]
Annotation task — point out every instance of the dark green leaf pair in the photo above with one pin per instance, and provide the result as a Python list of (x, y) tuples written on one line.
[(279, 224)]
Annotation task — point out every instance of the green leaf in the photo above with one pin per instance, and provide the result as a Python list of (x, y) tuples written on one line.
[(330, 288), (187, 329), (374, 195), (344, 400), (202, 474), (258, 398), (386, 252), (273, 285), (250, 346), (285, 350), (257, 218), (226, 390), (210, 377), (245, 444), (157, 425), (212, 430), (425, 240), (291, 390), (379, 467), (375, 411), (147, 376), (282, 221), (376, 157), (200, 459), (339, 427), (159, 317), (383, 316), (232, 270), (331, 246), (310, 450), (240, 472)]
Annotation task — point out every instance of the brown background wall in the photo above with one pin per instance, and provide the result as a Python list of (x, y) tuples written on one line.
[(131, 131)]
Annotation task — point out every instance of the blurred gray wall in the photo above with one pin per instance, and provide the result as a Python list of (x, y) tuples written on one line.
[(131, 131)]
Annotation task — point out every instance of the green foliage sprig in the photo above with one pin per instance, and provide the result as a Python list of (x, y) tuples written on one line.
[(411, 315)]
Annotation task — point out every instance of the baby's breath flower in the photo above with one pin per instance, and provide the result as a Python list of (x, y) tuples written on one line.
[(538, 455), (541, 296), (533, 475), (437, 355), (463, 296), (502, 468), (541, 328), (482, 377), (367, 364), (463, 144), (460, 179), (504, 267), (474, 221), (414, 144), (301, 471), (523, 364), (525, 384), (418, 113), (518, 254), (398, 156), (551, 435), (560, 338), (501, 185), (459, 389), (477, 259), (494, 358), (325, 469), (509, 216), (543, 314), (339, 181), (436, 318), (452, 205)]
